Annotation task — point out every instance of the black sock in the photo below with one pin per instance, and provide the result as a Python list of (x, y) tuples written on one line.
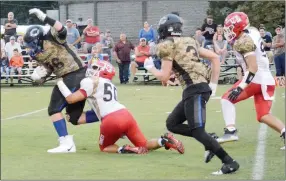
[(223, 156)]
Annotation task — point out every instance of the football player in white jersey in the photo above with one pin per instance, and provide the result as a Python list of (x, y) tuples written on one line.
[(116, 120), (257, 81)]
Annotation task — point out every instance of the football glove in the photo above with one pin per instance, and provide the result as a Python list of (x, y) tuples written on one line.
[(235, 93), (38, 13), (149, 63), (213, 88), (39, 72)]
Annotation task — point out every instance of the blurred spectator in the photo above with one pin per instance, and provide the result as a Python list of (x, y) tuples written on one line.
[(2, 44), (108, 44), (208, 30), (91, 34), (5, 65), (101, 35), (267, 43), (20, 40), (75, 25), (73, 37), (122, 55), (10, 27), (142, 51), (16, 64), (96, 55), (279, 51), (199, 37), (220, 46), (219, 31), (266, 32), (10, 46), (147, 32)]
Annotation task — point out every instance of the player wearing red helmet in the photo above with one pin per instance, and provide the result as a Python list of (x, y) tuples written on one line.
[(257, 81), (117, 121)]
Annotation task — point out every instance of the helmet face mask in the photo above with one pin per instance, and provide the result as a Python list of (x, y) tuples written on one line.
[(33, 39), (234, 24), (101, 69)]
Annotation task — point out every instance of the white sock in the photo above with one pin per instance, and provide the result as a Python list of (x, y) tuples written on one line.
[(119, 149), (160, 141), (228, 111), (282, 131)]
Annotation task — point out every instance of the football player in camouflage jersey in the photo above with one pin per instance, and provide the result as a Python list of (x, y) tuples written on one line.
[(50, 49), (182, 55)]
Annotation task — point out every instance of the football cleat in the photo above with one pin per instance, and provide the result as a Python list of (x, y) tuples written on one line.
[(173, 143), (66, 145), (227, 168), (209, 154), (137, 150), (228, 136)]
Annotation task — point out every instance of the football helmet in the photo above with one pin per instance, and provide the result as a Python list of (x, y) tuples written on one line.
[(170, 25), (234, 24), (102, 69), (33, 39)]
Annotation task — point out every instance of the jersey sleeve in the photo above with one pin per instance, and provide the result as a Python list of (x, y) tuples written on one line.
[(87, 85), (57, 36), (165, 50), (245, 45)]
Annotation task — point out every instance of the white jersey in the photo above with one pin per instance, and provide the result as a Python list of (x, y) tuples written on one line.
[(245, 45), (101, 95)]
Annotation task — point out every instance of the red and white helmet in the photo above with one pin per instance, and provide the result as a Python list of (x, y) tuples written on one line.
[(102, 69), (234, 24)]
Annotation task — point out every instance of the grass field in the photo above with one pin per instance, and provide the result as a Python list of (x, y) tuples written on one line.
[(25, 140)]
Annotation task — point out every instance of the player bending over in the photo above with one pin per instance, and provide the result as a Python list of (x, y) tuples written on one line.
[(52, 52), (181, 54), (117, 121), (257, 81)]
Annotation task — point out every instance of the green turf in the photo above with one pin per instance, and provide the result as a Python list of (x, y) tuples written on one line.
[(26, 139)]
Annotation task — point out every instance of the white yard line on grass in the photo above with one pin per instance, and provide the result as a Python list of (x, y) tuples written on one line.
[(23, 115), (258, 167)]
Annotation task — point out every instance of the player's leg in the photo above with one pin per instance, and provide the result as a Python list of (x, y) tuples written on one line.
[(57, 104), (229, 112), (138, 139), (175, 121), (263, 107), (88, 117), (195, 111)]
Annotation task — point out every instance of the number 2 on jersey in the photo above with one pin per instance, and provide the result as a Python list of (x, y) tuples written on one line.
[(110, 92)]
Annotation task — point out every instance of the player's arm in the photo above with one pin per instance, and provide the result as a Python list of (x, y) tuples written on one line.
[(165, 51), (86, 89), (164, 73), (62, 32), (246, 48), (215, 63)]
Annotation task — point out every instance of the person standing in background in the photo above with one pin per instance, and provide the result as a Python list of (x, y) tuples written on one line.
[(108, 44), (10, 27), (122, 55), (208, 30), (267, 43), (279, 51), (199, 37), (91, 34), (10, 46), (147, 32), (73, 37)]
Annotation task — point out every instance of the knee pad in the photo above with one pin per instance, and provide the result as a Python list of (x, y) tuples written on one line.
[(73, 117)]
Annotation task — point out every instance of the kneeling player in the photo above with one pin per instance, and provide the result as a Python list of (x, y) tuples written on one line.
[(117, 121)]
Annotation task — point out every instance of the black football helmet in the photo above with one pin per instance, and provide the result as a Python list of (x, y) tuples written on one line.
[(33, 39), (170, 25)]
